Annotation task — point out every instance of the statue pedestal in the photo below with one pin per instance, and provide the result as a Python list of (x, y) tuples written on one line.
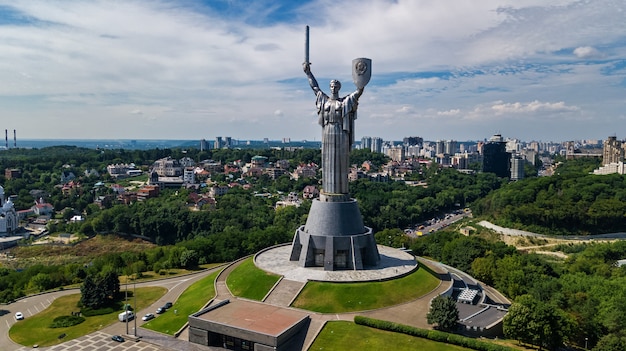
[(334, 236)]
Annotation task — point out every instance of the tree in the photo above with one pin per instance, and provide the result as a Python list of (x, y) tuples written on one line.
[(443, 312), (611, 342), (537, 323), (99, 289), (41, 282), (189, 259)]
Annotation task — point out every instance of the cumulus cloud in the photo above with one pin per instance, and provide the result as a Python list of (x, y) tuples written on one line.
[(533, 106), (453, 112), (404, 109), (586, 52)]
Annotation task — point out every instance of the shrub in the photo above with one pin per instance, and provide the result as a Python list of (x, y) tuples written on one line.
[(89, 312), (66, 321)]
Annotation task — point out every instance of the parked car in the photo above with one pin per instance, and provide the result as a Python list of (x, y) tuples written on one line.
[(168, 305), (126, 315), (161, 310), (147, 317), (117, 338), (19, 316)]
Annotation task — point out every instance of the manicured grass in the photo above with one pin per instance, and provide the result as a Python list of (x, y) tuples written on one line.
[(22, 331), (348, 336), (249, 281), (327, 297), (189, 302)]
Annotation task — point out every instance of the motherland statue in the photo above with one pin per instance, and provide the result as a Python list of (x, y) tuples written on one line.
[(334, 235)]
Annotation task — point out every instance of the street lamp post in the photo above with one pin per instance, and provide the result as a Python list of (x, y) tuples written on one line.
[(126, 304), (586, 339), (135, 295)]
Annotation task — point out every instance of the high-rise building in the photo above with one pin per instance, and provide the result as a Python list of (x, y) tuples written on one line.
[(413, 150), (218, 142), (440, 147), (495, 158), (612, 151), (204, 145), (396, 153), (412, 141), (377, 145), (450, 147), (517, 167), (228, 142), (366, 143)]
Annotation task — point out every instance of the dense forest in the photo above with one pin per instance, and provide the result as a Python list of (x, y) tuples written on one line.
[(572, 201), (581, 298)]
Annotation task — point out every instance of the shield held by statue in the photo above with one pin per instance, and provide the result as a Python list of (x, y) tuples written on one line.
[(361, 71)]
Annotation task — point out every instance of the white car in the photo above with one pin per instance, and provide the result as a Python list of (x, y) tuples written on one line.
[(19, 316), (148, 317)]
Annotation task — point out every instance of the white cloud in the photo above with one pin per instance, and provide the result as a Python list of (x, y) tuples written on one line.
[(454, 112), (533, 106), (586, 52), (99, 60)]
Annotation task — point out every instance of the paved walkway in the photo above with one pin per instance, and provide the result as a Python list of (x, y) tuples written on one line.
[(284, 293), (393, 263)]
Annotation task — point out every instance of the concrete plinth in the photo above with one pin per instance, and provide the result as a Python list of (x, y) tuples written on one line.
[(334, 237)]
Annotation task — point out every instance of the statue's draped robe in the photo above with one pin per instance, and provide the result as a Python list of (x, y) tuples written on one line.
[(337, 120)]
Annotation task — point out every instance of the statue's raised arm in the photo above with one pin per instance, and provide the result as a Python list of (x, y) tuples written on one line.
[(312, 81)]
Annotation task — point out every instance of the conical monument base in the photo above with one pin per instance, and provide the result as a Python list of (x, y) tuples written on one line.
[(334, 237)]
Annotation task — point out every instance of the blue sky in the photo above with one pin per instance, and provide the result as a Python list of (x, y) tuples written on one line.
[(457, 69)]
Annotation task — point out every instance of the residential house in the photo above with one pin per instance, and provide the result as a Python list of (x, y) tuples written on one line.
[(42, 208), (310, 192)]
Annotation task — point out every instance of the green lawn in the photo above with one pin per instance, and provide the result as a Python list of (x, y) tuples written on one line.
[(249, 281), (189, 302), (328, 297), (348, 336), (22, 331)]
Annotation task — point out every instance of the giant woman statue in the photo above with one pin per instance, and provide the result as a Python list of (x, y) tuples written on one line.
[(334, 236), (336, 116)]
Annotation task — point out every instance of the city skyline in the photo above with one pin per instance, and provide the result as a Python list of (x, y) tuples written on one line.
[(185, 70)]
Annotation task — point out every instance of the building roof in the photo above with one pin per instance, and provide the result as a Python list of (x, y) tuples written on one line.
[(261, 318)]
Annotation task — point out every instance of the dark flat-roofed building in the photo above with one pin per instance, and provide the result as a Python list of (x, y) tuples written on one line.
[(248, 325)]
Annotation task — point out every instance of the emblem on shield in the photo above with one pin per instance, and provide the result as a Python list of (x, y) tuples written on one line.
[(361, 71)]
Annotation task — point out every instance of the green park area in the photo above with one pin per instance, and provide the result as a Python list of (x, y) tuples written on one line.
[(327, 297), (190, 301), (348, 336), (22, 331), (249, 281)]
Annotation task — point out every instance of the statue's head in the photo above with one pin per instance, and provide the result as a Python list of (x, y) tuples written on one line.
[(335, 85)]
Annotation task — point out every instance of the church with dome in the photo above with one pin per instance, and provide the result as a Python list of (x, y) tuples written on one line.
[(8, 216)]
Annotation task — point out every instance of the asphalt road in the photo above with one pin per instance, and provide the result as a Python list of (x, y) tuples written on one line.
[(34, 304), (439, 225)]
